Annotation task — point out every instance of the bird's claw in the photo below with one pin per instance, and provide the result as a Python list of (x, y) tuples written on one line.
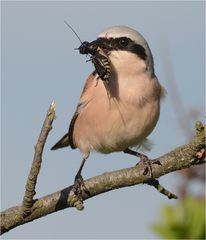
[(147, 165), (79, 187)]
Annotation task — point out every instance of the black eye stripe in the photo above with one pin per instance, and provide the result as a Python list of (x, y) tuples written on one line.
[(137, 49), (122, 43)]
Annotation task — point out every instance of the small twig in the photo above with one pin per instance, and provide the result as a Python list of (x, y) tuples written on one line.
[(28, 200), (155, 183)]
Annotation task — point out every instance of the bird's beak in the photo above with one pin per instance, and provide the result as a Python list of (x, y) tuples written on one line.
[(102, 43)]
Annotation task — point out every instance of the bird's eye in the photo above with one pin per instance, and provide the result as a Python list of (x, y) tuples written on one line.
[(123, 42)]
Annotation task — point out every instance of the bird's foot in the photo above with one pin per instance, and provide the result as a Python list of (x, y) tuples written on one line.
[(77, 199), (152, 181), (148, 171), (145, 160), (147, 164), (79, 186), (79, 189)]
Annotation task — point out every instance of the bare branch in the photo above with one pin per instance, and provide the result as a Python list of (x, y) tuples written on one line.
[(36, 164), (179, 158)]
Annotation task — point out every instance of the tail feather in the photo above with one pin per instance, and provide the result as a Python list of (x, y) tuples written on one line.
[(63, 142)]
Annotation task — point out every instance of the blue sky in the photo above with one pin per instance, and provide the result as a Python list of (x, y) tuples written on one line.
[(39, 64)]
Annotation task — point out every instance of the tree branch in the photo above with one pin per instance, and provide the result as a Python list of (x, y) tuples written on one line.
[(182, 157), (36, 164)]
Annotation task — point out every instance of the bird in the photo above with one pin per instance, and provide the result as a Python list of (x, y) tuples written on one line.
[(119, 114)]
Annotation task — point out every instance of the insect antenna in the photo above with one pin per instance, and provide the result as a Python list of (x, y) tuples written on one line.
[(73, 31)]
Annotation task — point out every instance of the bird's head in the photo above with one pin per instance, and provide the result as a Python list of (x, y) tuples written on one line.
[(122, 38)]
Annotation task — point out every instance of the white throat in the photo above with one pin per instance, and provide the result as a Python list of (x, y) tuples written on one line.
[(127, 64)]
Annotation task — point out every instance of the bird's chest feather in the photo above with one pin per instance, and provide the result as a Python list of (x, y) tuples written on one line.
[(112, 124), (120, 114)]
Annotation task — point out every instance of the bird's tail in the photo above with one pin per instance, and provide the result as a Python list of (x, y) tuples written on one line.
[(63, 142)]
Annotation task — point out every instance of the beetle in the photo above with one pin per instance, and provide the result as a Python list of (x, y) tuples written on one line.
[(97, 55)]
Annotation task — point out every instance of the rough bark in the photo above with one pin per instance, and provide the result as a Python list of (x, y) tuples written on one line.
[(182, 157)]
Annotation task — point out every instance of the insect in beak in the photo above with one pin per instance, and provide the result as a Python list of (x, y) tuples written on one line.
[(98, 56)]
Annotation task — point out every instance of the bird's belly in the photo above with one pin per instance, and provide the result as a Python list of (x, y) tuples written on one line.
[(115, 126), (130, 127)]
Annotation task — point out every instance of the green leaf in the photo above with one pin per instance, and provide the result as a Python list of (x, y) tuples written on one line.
[(186, 220)]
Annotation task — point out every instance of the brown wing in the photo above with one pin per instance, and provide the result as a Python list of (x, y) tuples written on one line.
[(88, 83), (82, 103), (63, 142), (67, 139), (71, 129)]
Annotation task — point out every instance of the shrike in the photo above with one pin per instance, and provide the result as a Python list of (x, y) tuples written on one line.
[(116, 115)]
